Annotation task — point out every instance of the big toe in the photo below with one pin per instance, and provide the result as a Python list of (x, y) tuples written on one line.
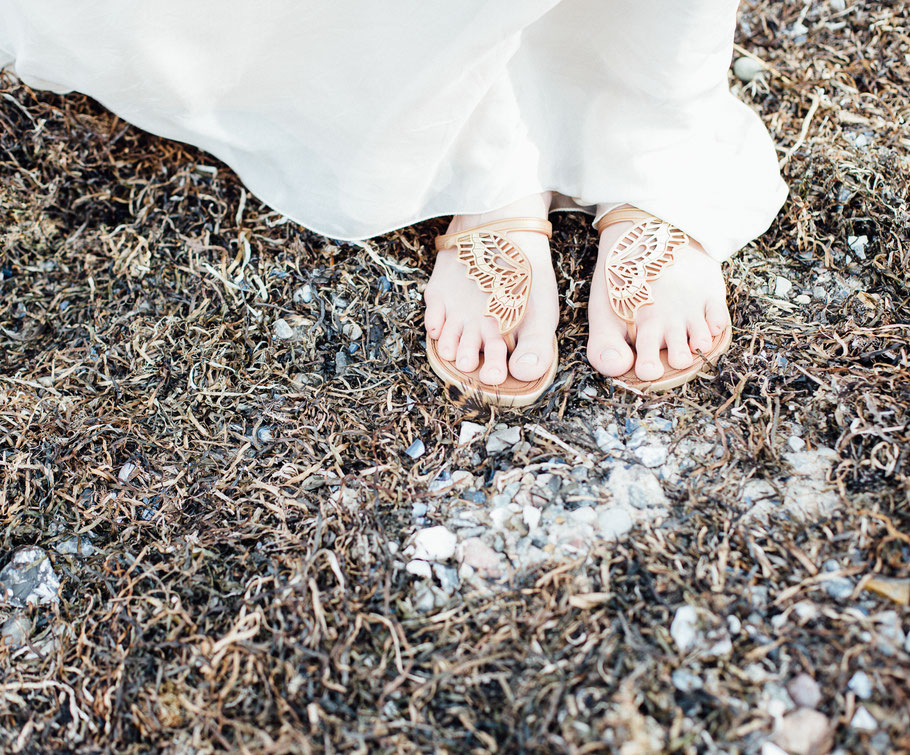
[(532, 357), (609, 353)]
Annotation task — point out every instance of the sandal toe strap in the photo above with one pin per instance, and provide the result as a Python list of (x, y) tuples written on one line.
[(638, 257), (498, 266)]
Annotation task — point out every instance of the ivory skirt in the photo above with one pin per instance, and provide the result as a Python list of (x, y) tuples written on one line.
[(354, 118)]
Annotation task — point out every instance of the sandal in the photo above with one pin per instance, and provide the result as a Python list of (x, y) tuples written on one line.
[(501, 269), (638, 257)]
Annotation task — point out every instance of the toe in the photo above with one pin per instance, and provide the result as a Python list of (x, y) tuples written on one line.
[(495, 352), (532, 356), (699, 336), (448, 339), (647, 347), (678, 354), (469, 349), (717, 316), (435, 315), (608, 351)]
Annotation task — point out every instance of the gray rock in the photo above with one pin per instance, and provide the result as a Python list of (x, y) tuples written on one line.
[(500, 440), (840, 588), (447, 576), (303, 294), (29, 579), (608, 439)]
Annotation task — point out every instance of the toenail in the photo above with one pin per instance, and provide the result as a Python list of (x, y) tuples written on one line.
[(528, 358), (610, 355)]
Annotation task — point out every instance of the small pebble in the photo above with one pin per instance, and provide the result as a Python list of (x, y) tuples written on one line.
[(434, 544), (416, 449), (782, 287), (686, 681), (863, 720), (804, 732), (839, 587), (303, 294), (419, 568), (614, 523), (531, 516), (805, 691), (861, 684), (447, 576), (29, 579), (469, 432), (651, 456), (747, 69), (282, 330), (481, 558), (796, 443), (500, 440), (75, 546), (858, 243), (684, 629), (608, 440)]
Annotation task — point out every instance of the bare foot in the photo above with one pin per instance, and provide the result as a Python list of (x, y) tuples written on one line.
[(455, 305), (689, 309)]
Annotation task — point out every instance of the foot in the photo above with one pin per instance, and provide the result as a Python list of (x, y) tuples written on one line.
[(455, 305), (689, 309)]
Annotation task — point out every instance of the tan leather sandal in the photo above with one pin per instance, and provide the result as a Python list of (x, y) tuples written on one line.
[(502, 270), (638, 257)]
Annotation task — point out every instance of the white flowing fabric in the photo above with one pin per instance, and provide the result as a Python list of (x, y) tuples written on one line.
[(354, 118)]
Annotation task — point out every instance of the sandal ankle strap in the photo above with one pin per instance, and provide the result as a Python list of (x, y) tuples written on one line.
[(506, 225)]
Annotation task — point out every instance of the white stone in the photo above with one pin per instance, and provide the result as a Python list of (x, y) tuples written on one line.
[(747, 69), (434, 544), (782, 287), (858, 243), (796, 443), (531, 516), (769, 748), (469, 432), (861, 684), (686, 681), (805, 691), (500, 440), (419, 568), (283, 330), (803, 299), (583, 515), (651, 455), (684, 629), (863, 720), (614, 523), (500, 516)]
